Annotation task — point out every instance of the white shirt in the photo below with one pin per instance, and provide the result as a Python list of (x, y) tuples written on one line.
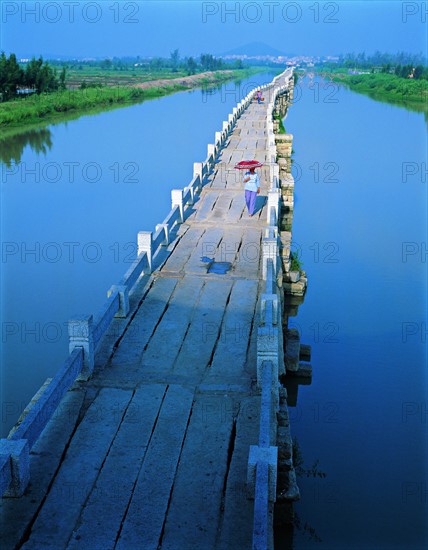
[(253, 183)]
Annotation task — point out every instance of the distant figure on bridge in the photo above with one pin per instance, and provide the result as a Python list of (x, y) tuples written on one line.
[(252, 189), (259, 95)]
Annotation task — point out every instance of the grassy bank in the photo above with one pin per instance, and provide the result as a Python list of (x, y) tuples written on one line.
[(27, 111), (99, 77), (386, 87)]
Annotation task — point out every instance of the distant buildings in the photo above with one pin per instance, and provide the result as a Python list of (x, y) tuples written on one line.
[(302, 60)]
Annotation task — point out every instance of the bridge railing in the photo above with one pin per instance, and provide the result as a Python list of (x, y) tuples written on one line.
[(263, 458), (86, 332)]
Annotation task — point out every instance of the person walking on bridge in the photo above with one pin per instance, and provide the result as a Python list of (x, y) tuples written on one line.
[(252, 189)]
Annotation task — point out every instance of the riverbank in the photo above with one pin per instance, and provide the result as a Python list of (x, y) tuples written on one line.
[(385, 87), (20, 114)]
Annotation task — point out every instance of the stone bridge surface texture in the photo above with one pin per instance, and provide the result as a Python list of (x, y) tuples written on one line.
[(152, 452)]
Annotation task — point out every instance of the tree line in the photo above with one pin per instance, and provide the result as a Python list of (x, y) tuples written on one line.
[(402, 64), (174, 63), (38, 76), (379, 59), (408, 71)]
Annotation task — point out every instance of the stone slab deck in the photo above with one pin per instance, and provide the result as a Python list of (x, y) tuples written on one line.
[(154, 451)]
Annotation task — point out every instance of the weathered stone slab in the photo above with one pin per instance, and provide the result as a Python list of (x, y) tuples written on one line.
[(182, 252), (79, 470), (195, 508), (305, 352), (17, 514), (228, 249), (206, 248), (231, 353), (143, 524), (143, 324), (248, 262), (219, 213), (237, 156), (237, 208), (237, 523), (169, 334), (205, 206), (102, 515), (292, 349), (200, 340), (305, 369), (261, 156)]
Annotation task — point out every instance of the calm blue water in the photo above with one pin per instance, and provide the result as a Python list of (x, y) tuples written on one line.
[(74, 195), (360, 224)]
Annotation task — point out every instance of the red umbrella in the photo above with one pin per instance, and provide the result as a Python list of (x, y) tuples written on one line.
[(247, 164)]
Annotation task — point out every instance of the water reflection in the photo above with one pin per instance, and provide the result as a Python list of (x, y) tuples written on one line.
[(12, 148), (331, 90), (406, 104)]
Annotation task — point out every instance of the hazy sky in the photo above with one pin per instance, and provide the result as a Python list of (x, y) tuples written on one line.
[(117, 28)]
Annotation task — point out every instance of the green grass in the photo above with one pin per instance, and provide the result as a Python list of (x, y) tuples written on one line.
[(296, 262), (387, 87), (281, 127), (40, 107), (27, 111), (103, 77)]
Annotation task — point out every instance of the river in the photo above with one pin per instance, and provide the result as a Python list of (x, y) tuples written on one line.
[(360, 226), (75, 194)]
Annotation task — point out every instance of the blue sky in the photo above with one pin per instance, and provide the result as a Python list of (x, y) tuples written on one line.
[(118, 28)]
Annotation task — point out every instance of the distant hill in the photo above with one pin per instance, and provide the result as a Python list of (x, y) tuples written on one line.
[(253, 49)]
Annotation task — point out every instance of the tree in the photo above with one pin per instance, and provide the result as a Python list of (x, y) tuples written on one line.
[(62, 79), (32, 72), (106, 64), (41, 76), (3, 75), (419, 70), (156, 64), (207, 62), (191, 65), (175, 57), (11, 76), (406, 70)]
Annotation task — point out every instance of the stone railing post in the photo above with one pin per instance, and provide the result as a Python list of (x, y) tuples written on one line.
[(191, 201), (211, 150), (275, 307), (80, 332), (275, 179), (123, 300), (268, 350), (166, 229), (197, 169), (18, 452), (269, 251), (273, 202), (145, 244), (263, 455), (177, 199)]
